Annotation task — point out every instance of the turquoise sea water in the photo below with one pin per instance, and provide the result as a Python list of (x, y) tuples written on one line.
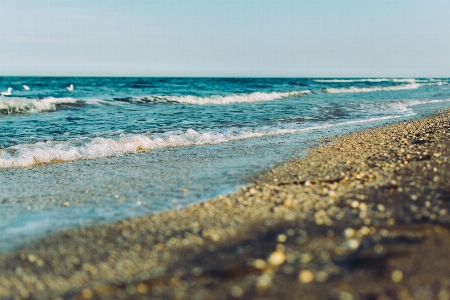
[(119, 147)]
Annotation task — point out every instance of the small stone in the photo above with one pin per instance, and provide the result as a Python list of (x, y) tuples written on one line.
[(252, 191), (354, 204), (142, 288), (236, 291), (397, 276), (381, 207), (349, 232), (413, 197), (65, 204), (346, 296), (306, 258), (306, 276), (353, 244), (321, 276), (263, 281), (281, 238), (259, 264), (288, 203), (378, 249), (276, 258), (87, 293)]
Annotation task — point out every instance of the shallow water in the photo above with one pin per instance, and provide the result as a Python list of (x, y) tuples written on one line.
[(121, 147)]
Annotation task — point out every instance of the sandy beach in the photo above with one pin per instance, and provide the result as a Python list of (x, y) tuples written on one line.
[(364, 216)]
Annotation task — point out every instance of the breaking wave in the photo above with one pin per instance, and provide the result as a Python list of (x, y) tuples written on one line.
[(18, 105), (372, 89), (365, 80), (216, 99), (52, 152)]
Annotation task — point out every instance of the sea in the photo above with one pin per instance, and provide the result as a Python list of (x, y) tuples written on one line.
[(119, 147)]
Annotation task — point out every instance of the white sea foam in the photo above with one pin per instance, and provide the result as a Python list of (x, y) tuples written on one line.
[(16, 105), (372, 89), (49, 152), (216, 99), (411, 80)]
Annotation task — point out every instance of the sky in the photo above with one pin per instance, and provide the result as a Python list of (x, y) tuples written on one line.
[(242, 38)]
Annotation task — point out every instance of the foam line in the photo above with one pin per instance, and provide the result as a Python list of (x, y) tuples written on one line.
[(216, 99), (372, 89), (17, 105)]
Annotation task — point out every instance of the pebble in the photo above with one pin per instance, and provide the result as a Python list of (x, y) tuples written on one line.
[(397, 276), (306, 276), (276, 258)]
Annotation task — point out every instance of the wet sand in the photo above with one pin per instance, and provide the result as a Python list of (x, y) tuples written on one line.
[(366, 216)]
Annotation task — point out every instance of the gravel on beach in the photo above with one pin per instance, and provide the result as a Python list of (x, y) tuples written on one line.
[(365, 216)]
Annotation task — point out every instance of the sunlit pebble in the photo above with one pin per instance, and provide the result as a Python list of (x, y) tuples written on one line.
[(139, 203), (397, 276), (390, 222), (236, 291), (288, 203), (364, 230), (306, 276), (259, 264), (65, 204), (276, 258), (345, 296), (252, 191), (142, 288), (384, 232), (306, 258), (362, 206), (353, 244), (378, 249), (321, 276), (87, 294), (381, 207), (281, 238), (349, 232), (307, 183), (263, 281), (354, 204), (413, 197)]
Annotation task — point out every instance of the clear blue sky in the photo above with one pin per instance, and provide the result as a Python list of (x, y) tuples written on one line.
[(304, 38)]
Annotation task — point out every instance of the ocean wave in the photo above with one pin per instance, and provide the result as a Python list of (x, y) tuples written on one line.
[(216, 99), (372, 89), (18, 105), (25, 155), (365, 80), (405, 106)]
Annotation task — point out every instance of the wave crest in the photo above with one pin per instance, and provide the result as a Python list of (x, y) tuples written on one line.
[(17, 105), (372, 89), (216, 99)]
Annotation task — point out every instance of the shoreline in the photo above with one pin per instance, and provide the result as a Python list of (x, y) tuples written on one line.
[(366, 216)]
